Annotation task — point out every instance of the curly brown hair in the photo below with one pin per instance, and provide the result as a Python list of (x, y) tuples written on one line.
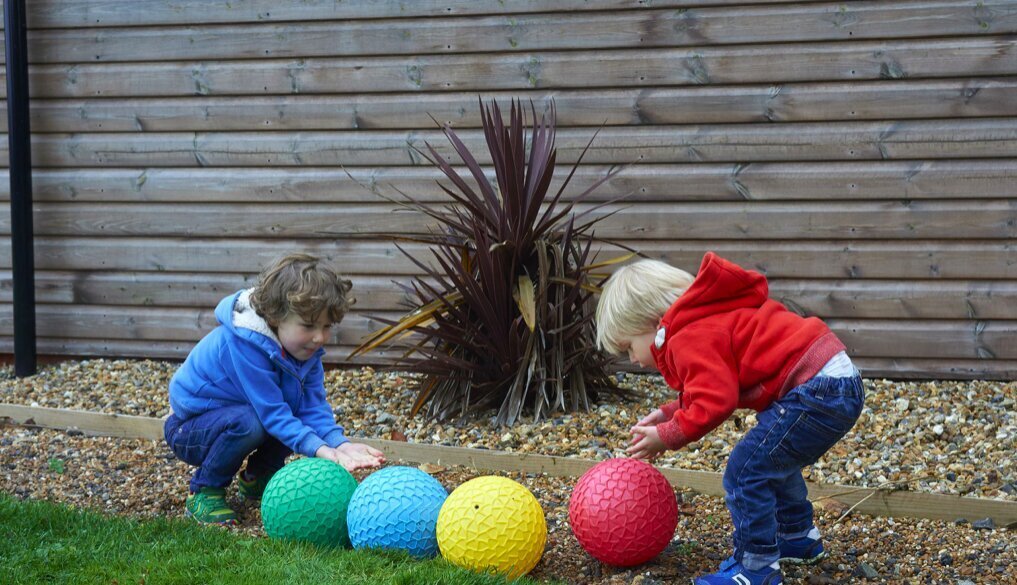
[(304, 285)]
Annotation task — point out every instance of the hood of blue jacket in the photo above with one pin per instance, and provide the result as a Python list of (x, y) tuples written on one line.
[(237, 316)]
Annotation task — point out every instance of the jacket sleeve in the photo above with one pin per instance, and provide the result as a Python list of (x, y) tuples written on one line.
[(259, 379), (315, 411), (709, 375), (670, 408)]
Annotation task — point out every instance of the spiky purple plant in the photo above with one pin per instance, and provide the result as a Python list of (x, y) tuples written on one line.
[(505, 319)]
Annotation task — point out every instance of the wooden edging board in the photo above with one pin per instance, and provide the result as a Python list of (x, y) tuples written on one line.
[(872, 501)]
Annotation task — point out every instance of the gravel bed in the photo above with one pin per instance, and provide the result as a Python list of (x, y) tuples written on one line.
[(941, 437), (142, 478)]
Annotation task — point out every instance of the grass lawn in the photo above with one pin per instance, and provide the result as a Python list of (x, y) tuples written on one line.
[(41, 542)]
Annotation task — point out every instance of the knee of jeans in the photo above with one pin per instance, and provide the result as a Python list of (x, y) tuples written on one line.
[(737, 462), (250, 428), (730, 479), (169, 427)]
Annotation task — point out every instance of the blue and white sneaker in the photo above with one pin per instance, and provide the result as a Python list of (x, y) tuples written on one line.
[(733, 573), (807, 550)]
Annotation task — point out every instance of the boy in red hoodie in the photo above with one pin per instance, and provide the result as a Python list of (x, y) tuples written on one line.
[(722, 343)]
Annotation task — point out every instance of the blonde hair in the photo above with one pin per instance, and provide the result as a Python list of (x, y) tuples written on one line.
[(634, 300), (304, 285)]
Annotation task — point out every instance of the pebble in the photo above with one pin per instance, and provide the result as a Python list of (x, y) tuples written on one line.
[(983, 524), (385, 418), (866, 571)]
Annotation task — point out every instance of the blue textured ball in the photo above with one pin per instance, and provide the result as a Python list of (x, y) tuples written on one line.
[(396, 508)]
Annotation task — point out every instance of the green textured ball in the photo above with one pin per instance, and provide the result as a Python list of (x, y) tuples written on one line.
[(307, 500)]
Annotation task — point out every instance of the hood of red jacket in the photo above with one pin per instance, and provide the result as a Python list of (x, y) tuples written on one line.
[(720, 286)]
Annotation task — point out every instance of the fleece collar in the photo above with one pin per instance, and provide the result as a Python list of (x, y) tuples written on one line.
[(236, 314), (245, 317)]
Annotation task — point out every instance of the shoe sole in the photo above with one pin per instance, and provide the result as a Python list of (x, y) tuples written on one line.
[(188, 514), (810, 561), (694, 582)]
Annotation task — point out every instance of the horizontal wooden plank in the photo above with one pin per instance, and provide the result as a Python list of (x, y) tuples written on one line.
[(62, 347), (862, 500), (812, 221), (816, 181), (935, 259), (171, 289), (94, 423), (757, 220), (53, 348), (140, 323), (899, 299), (89, 13), (970, 339), (796, 102), (152, 323), (632, 29), (879, 299), (784, 63), (933, 369), (809, 141), (210, 255), (894, 368)]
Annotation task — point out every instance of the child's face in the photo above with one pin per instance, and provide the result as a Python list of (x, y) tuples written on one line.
[(638, 348), (301, 338)]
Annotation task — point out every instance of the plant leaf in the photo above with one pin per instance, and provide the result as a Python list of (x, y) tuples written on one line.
[(523, 295), (612, 261)]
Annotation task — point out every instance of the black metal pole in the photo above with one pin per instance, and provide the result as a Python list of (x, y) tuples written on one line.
[(19, 136)]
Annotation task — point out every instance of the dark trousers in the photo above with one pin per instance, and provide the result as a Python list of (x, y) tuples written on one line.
[(763, 483), (218, 441)]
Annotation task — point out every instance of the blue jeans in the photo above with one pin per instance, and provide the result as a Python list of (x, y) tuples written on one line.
[(218, 441), (763, 483)]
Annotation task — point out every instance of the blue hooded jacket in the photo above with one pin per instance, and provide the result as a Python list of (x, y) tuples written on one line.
[(242, 362)]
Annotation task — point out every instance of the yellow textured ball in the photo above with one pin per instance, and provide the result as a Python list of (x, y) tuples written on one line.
[(492, 524)]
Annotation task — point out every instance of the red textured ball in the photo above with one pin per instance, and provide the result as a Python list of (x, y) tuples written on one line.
[(623, 512)]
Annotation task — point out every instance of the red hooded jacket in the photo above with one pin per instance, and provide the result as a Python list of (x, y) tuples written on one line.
[(724, 344)]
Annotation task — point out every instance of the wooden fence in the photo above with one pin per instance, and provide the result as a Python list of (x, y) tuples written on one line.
[(863, 155)]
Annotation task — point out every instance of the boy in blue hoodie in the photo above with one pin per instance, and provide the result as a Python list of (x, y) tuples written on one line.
[(255, 386)]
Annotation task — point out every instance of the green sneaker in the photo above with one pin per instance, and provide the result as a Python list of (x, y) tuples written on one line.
[(251, 489), (208, 506)]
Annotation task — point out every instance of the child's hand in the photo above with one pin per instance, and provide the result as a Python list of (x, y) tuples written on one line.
[(653, 419), (352, 455), (646, 443), (356, 455)]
